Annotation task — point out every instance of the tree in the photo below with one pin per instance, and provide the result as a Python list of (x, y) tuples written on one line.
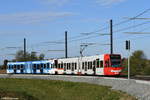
[(138, 63), (19, 56), (33, 56), (147, 68), (41, 57), (29, 56), (5, 64)]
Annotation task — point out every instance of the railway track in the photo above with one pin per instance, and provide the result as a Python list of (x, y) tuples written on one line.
[(145, 78), (137, 77)]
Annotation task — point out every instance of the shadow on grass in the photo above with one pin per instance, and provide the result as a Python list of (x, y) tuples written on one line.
[(7, 95)]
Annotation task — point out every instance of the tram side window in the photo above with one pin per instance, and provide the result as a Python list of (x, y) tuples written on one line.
[(85, 64), (62, 65), (94, 63), (65, 66), (82, 65), (34, 66), (53, 66), (42, 66), (14, 66), (101, 63), (18, 66), (72, 64), (21, 66), (75, 66), (90, 65), (48, 65), (38, 66), (58, 65), (69, 66), (9, 67)]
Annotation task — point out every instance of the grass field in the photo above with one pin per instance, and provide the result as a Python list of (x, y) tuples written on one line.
[(26, 89)]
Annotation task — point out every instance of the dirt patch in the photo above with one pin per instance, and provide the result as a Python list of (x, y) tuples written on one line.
[(2, 71)]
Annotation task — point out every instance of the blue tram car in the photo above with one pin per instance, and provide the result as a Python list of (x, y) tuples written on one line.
[(29, 67)]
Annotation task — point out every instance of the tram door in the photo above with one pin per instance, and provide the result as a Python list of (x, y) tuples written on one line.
[(72, 67), (56, 63), (65, 65), (86, 65), (22, 68), (41, 68), (34, 68), (15, 69), (94, 67)]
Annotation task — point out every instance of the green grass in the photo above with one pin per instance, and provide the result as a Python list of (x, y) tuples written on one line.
[(27, 89)]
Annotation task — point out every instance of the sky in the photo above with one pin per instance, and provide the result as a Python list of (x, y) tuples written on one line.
[(43, 23)]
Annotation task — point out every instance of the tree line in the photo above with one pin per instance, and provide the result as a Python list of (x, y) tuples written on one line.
[(20, 56)]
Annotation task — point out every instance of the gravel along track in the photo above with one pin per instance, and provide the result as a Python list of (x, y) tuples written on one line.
[(137, 88)]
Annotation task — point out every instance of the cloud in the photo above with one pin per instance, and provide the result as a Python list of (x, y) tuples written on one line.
[(63, 2), (108, 2), (32, 17), (56, 2)]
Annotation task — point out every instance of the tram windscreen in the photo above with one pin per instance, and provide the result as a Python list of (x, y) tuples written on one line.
[(115, 60)]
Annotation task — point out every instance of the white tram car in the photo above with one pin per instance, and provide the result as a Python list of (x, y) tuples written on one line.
[(105, 64)]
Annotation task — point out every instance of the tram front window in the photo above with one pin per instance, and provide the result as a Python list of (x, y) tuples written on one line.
[(115, 60), (115, 63)]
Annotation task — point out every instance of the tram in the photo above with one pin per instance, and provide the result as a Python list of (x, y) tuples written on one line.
[(105, 64)]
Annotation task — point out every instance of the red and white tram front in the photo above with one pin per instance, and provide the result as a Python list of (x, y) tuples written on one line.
[(112, 64)]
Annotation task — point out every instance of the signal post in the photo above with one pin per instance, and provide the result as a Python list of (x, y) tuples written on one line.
[(128, 48)]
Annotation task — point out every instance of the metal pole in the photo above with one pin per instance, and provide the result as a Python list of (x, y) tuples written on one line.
[(80, 51), (111, 36), (66, 45), (24, 48), (129, 64), (129, 59)]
